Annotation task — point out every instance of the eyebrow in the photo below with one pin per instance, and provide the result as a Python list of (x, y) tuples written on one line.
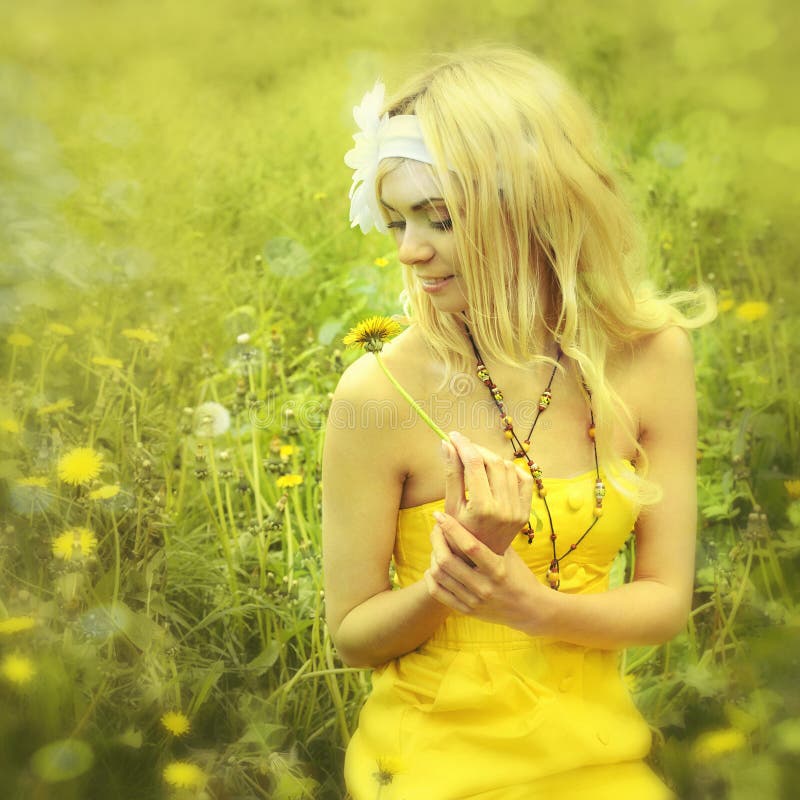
[(417, 206)]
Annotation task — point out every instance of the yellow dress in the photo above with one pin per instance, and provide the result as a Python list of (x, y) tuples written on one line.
[(485, 712)]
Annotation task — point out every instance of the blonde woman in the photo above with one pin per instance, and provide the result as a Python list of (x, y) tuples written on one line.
[(473, 575)]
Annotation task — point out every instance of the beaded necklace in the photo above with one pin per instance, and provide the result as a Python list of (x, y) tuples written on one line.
[(521, 451)]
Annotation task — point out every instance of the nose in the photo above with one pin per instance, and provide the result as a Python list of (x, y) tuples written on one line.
[(414, 247)]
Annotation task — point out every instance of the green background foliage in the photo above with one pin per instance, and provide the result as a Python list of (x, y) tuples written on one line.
[(174, 171)]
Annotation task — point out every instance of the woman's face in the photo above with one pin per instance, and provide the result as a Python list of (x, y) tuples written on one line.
[(422, 229)]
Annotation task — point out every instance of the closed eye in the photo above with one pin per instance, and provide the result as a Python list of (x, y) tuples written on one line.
[(444, 225)]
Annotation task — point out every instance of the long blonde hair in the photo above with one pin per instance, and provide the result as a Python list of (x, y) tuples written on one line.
[(541, 228)]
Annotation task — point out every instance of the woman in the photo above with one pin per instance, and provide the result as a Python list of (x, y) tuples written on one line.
[(567, 383)]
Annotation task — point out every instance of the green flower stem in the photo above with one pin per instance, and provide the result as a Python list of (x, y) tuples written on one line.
[(412, 402)]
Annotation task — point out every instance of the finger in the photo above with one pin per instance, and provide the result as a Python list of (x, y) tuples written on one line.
[(452, 563), (475, 479), (459, 538), (453, 479), (444, 596)]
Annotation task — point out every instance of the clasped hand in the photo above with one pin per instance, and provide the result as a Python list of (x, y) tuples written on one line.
[(473, 569)]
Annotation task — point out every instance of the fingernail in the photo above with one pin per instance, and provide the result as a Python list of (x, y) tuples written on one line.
[(438, 516), (454, 433), (445, 450)]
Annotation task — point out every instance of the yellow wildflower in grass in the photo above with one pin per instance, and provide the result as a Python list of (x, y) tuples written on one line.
[(39, 481), (712, 744), (381, 262), (752, 310), (286, 450), (104, 361), (793, 488), (183, 775), (140, 334), (176, 723), (19, 339), (17, 669), (105, 492), (372, 333), (16, 625), (80, 465), (725, 304), (289, 480), (9, 425), (77, 543), (53, 408), (59, 329)]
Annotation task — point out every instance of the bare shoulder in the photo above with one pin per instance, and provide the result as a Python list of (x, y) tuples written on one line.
[(663, 373)]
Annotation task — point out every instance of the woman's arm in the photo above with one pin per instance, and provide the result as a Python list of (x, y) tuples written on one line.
[(654, 606), (362, 477)]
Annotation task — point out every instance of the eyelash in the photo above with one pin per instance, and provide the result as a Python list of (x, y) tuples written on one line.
[(444, 225)]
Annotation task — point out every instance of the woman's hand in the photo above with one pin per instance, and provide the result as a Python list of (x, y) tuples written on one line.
[(498, 588), (500, 493)]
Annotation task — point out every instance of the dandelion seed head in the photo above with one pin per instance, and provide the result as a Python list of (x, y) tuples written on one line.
[(211, 419)]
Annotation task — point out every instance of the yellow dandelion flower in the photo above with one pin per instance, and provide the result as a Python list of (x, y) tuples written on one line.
[(176, 723), (54, 408), (105, 492), (79, 465), (726, 304), (38, 481), (9, 425), (381, 262), (16, 624), (289, 480), (183, 775), (74, 543), (752, 310), (793, 488), (712, 744), (286, 450), (59, 329), (19, 339), (320, 195), (141, 334), (17, 669), (104, 361), (372, 334)]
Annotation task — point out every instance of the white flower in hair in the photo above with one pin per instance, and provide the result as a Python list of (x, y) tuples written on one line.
[(363, 158)]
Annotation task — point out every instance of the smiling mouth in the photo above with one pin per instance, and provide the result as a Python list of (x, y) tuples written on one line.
[(434, 281)]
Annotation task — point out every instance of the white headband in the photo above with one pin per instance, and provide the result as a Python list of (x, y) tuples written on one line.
[(379, 137)]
